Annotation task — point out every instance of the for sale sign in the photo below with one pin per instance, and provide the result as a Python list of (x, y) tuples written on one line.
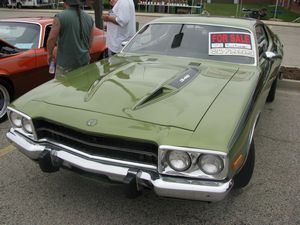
[(230, 43)]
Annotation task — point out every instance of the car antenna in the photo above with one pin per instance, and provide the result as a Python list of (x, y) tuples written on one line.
[(177, 38)]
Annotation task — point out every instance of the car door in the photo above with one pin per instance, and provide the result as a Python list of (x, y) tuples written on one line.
[(23, 68), (16, 67)]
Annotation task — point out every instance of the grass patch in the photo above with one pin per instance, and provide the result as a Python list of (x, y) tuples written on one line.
[(216, 9)]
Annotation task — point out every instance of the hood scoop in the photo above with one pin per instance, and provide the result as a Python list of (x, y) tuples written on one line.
[(170, 87)]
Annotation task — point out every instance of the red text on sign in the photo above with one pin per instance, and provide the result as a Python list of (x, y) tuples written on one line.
[(240, 38), (219, 38), (230, 38)]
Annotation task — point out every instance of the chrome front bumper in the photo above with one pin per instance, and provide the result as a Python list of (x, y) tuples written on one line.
[(165, 186)]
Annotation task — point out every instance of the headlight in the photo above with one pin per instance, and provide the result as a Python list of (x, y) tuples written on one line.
[(178, 160), (15, 118), (27, 125), (210, 164)]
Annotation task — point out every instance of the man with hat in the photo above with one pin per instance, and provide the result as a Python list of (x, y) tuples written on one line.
[(72, 32)]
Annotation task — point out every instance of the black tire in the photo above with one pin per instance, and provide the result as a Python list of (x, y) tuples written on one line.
[(5, 98), (271, 95), (19, 6), (243, 178)]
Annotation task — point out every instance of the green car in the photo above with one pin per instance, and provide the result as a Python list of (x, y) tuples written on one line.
[(175, 111)]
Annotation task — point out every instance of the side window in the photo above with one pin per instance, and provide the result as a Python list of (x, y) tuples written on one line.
[(47, 31), (262, 39), (277, 45)]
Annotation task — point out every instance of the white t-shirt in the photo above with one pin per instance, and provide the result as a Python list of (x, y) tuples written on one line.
[(125, 16)]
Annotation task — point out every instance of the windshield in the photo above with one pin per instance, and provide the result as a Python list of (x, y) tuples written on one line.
[(194, 40), (20, 35)]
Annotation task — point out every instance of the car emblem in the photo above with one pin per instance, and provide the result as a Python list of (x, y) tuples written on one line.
[(91, 122)]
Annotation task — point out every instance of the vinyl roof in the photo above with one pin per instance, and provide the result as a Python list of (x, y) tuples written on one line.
[(225, 21)]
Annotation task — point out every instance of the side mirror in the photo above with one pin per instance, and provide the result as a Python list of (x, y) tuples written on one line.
[(124, 43), (271, 56)]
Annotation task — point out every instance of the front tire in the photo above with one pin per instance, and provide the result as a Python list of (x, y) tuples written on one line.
[(243, 178), (5, 98)]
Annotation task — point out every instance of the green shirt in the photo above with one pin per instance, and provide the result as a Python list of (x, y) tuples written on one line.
[(72, 51)]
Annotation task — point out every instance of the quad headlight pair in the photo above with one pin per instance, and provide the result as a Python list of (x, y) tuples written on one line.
[(20, 121), (181, 161), (197, 163)]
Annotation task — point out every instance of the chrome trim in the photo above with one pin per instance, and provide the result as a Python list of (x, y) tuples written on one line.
[(253, 128), (20, 129), (115, 173), (46, 142), (5, 99), (18, 112), (194, 171), (189, 189), (174, 187), (31, 150), (50, 145), (197, 150)]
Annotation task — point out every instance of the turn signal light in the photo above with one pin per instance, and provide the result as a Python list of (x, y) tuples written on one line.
[(238, 162)]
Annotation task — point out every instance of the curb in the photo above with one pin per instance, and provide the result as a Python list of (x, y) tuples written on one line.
[(289, 85), (284, 24)]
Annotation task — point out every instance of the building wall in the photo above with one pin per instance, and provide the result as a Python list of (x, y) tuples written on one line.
[(294, 6)]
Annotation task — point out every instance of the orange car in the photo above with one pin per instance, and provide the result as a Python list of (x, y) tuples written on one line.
[(23, 56)]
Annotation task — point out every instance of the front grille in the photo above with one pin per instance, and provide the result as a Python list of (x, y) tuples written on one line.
[(120, 148)]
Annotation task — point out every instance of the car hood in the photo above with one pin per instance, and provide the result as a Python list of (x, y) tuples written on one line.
[(169, 91)]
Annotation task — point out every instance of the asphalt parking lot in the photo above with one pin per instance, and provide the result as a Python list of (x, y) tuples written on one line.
[(28, 196)]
